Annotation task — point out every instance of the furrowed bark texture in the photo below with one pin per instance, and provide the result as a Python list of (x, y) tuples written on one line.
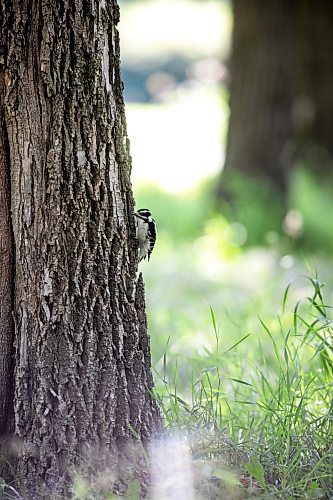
[(6, 276), (82, 376)]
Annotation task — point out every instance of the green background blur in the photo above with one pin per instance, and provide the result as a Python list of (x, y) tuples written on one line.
[(235, 253)]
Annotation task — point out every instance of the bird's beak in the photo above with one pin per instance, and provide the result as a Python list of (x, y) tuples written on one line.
[(138, 215)]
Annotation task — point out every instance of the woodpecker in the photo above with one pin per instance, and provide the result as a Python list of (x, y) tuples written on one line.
[(146, 232)]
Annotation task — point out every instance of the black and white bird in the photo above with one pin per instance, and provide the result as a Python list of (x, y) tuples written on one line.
[(146, 232)]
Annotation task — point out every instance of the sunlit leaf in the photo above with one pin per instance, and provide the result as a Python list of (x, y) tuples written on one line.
[(256, 470)]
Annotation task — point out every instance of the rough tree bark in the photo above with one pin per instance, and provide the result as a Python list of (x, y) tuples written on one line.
[(82, 376), (6, 285)]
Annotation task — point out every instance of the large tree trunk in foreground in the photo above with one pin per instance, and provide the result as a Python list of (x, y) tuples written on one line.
[(82, 377), (6, 284)]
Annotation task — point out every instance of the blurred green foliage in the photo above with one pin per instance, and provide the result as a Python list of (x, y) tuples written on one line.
[(312, 196), (237, 260), (181, 217), (255, 204), (250, 214)]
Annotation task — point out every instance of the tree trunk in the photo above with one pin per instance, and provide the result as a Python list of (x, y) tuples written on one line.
[(82, 376), (281, 99), (260, 119), (6, 291), (313, 82)]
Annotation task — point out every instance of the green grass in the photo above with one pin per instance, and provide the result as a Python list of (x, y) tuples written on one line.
[(243, 360), (267, 395)]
